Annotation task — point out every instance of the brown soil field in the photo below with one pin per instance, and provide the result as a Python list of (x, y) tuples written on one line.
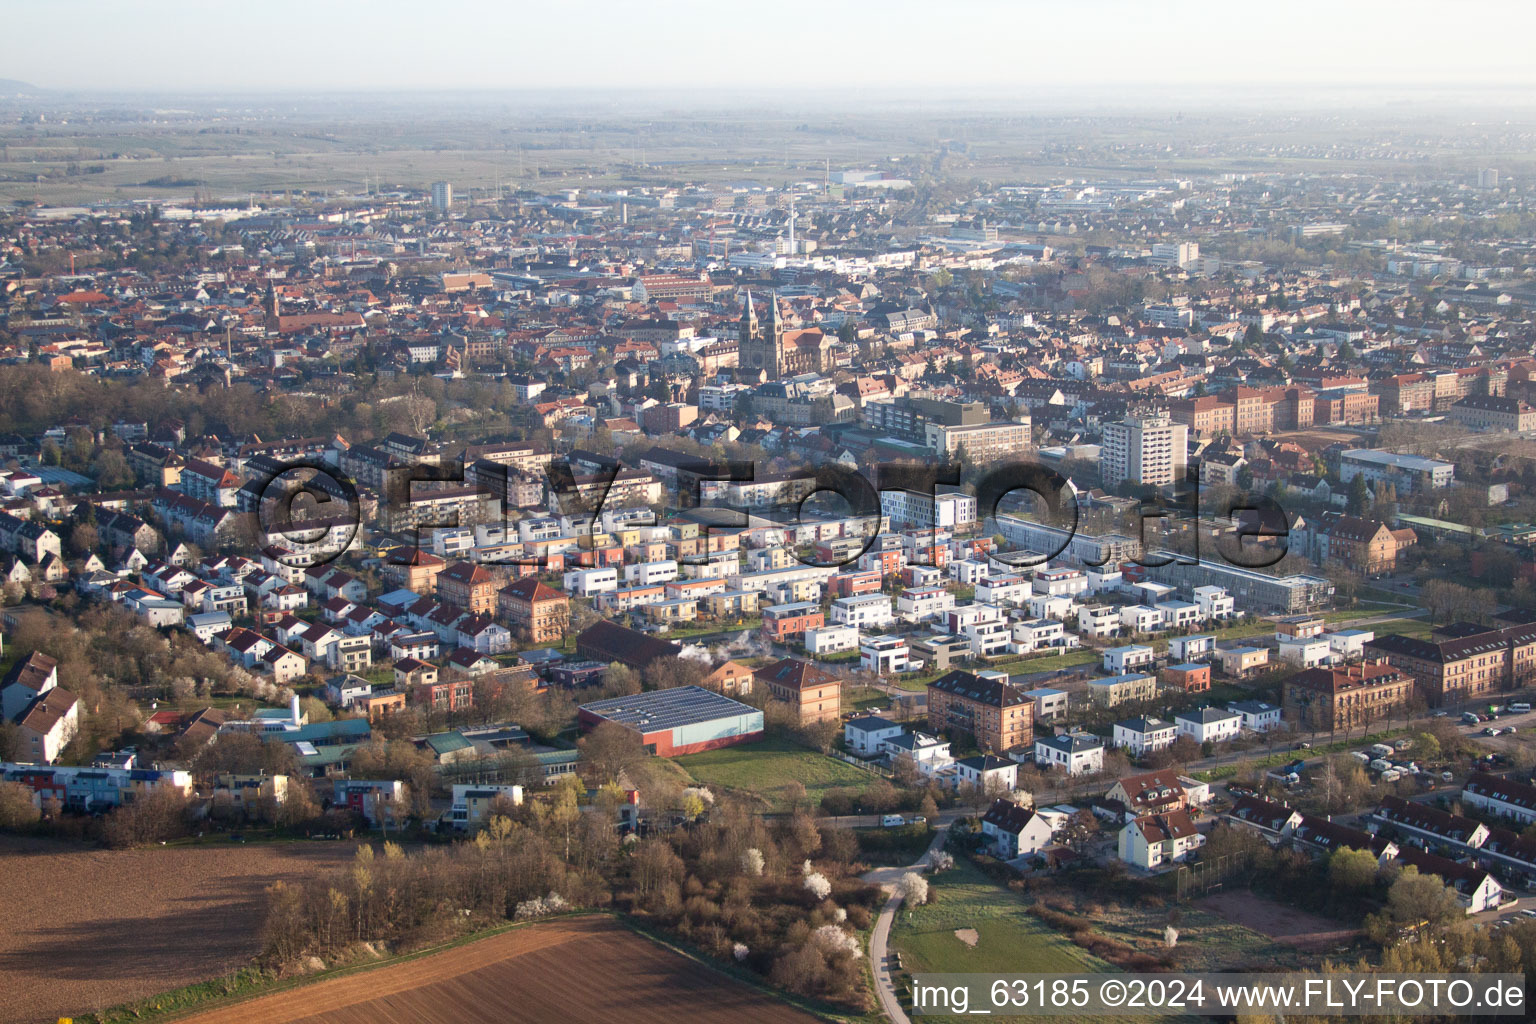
[(588, 969), (87, 929), (1281, 923)]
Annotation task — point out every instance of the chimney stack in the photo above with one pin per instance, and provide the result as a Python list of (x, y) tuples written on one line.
[(293, 709)]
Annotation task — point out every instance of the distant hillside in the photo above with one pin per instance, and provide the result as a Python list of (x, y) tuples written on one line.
[(11, 87)]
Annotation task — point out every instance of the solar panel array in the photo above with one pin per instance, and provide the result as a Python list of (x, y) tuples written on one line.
[(668, 709)]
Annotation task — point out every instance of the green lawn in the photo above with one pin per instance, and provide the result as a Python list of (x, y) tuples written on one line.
[(1365, 609), (1009, 939), (1012, 941), (767, 767), (862, 698), (1407, 627)]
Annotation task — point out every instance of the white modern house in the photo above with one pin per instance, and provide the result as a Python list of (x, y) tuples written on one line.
[(1215, 603), (831, 639), (1044, 606), (1208, 723), (866, 611), (1049, 703), (1075, 753), (1183, 649), (1144, 735), (1139, 618), (1034, 635), (589, 582), (1257, 715), (1180, 614), (1130, 658), (1098, 620), (1060, 582), (865, 735), (1349, 644), (885, 654), (1008, 589), (1305, 652), (917, 604)]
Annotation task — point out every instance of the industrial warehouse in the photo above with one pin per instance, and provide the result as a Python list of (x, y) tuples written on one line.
[(684, 720)]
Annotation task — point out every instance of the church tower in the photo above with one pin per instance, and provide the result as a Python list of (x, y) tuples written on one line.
[(762, 347), (270, 304)]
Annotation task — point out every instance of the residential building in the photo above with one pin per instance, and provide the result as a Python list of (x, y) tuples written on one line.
[(1014, 830), (1112, 691), (866, 734), (1050, 704), (1075, 753), (1242, 662), (1154, 841), (1121, 660), (1147, 450), (1257, 715), (996, 714), (813, 695), (538, 612), (1144, 735), (1208, 724), (1347, 696), (1190, 677), (885, 655)]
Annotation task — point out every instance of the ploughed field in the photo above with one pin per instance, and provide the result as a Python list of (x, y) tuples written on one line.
[(88, 929), (588, 969)]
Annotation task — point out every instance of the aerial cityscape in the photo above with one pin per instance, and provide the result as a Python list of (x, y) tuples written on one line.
[(468, 531)]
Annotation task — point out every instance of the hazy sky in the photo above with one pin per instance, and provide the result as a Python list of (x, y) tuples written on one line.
[(941, 45)]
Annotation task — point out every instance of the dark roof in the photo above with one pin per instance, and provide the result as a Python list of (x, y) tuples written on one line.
[(1498, 787), (794, 674), (1402, 812), (1160, 827), (1008, 816), (1265, 814), (984, 691), (609, 641)]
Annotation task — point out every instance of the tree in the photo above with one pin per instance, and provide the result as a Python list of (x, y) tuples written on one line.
[(609, 750), (1359, 498), (16, 808), (672, 671), (1352, 870), (1414, 899), (914, 889)]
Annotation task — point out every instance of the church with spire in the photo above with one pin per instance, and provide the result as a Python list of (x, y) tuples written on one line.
[(761, 348), (770, 350)]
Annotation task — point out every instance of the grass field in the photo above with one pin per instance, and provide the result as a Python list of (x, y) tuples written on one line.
[(1011, 940), (1407, 627), (767, 767)]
